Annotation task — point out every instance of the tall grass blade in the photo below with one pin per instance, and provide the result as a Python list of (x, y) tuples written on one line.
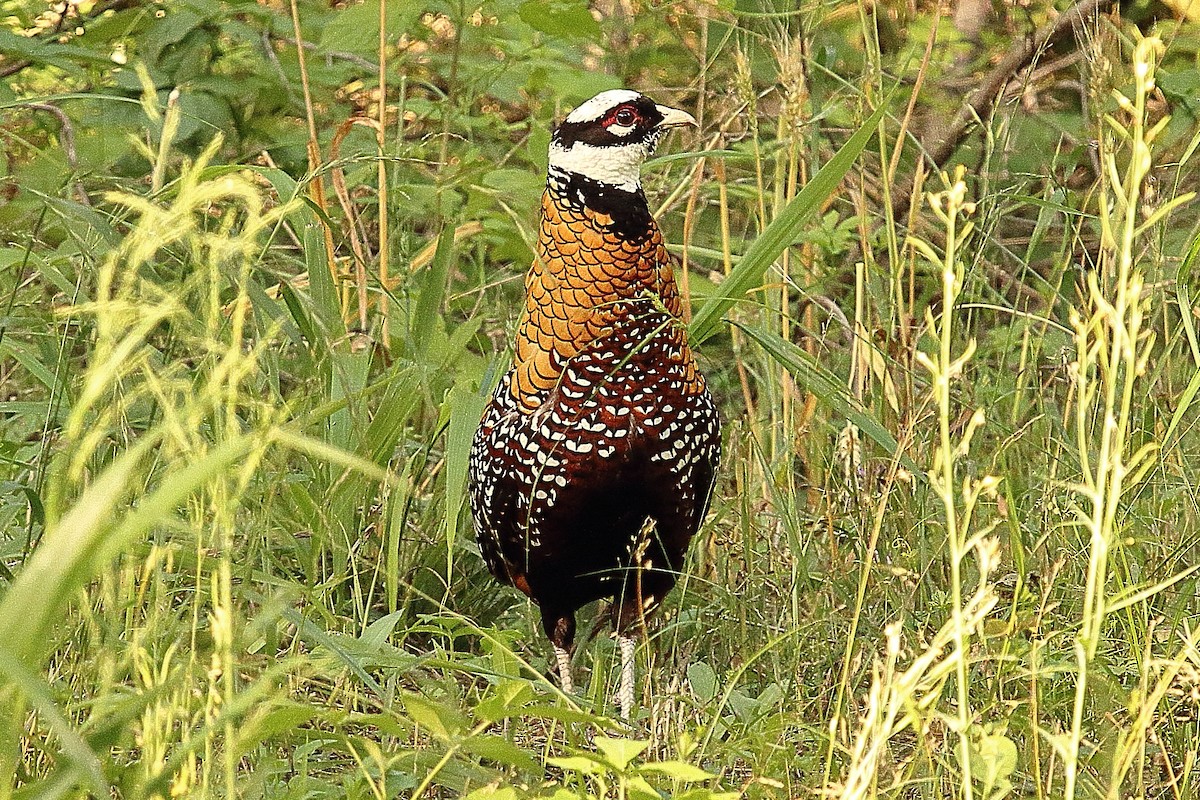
[(466, 409), (155, 507), (325, 452), (782, 232), (400, 401), (83, 763), (828, 389), (426, 315), (64, 560), (1184, 408), (324, 293)]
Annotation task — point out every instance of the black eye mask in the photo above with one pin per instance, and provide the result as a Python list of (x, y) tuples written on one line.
[(592, 132)]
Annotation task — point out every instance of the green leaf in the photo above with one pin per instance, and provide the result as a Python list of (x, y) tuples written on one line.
[(507, 698), (621, 752), (515, 182), (350, 370), (639, 789), (1138, 594), (439, 720), (376, 634), (30, 359), (562, 714), (334, 455), (703, 681), (494, 793), (561, 793), (355, 29), (1183, 280), (268, 723), (679, 770), (60, 96), (170, 30), (782, 232), (1180, 84), (829, 390), (745, 706), (51, 53), (580, 764), (311, 633), (498, 749), (295, 307), (993, 761), (85, 225), (563, 18)]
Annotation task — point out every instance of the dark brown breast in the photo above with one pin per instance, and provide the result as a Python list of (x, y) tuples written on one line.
[(601, 444)]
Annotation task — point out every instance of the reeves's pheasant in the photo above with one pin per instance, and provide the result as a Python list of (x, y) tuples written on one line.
[(594, 463)]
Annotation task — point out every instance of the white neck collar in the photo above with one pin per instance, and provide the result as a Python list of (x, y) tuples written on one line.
[(619, 166)]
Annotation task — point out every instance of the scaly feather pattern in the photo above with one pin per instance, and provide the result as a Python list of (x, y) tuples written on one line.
[(593, 465)]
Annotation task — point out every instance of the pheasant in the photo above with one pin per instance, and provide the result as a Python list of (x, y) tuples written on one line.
[(594, 463)]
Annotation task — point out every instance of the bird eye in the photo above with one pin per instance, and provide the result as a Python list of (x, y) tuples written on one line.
[(625, 116)]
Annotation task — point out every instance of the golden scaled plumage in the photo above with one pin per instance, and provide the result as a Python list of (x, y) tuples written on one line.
[(594, 462), (582, 272)]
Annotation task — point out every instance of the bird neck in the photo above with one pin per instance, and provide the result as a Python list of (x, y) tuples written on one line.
[(618, 167), (598, 250), (625, 204)]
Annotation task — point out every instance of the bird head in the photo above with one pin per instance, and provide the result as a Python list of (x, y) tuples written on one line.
[(608, 138)]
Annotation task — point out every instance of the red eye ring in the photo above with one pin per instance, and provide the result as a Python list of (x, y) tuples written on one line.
[(625, 116)]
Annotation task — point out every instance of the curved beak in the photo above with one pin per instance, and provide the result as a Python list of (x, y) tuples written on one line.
[(674, 118)]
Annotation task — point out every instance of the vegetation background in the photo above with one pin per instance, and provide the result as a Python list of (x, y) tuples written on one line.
[(259, 265)]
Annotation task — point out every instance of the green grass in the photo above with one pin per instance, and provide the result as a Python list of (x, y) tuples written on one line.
[(952, 548)]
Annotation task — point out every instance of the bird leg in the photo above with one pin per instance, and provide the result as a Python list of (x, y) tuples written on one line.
[(560, 630), (631, 617), (625, 695), (563, 657)]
